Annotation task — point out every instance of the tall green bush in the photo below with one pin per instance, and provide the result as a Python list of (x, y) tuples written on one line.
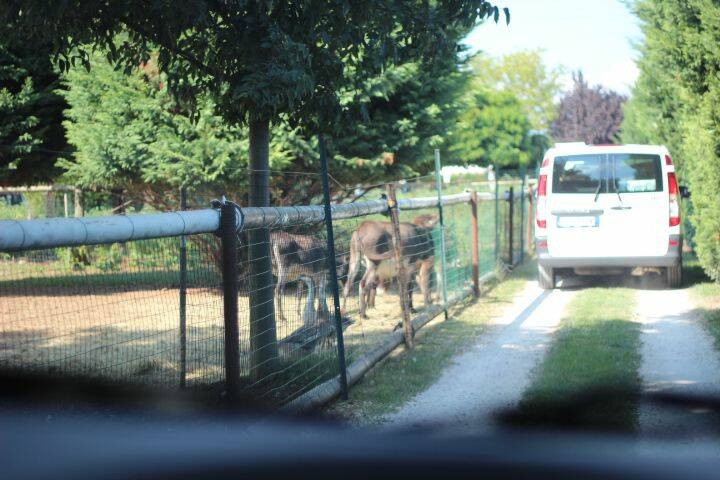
[(676, 102)]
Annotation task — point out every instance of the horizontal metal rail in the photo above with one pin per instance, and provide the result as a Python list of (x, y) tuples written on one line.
[(17, 235), (65, 232), (431, 202)]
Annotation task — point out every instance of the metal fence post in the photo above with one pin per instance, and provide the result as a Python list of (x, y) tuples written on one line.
[(229, 240), (401, 274), (332, 266), (475, 244), (443, 257), (183, 296), (511, 204)]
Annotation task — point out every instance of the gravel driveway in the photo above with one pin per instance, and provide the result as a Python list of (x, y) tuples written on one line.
[(494, 373), (678, 357)]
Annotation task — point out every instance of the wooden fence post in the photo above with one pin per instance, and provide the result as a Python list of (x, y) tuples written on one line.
[(78, 203), (511, 207), (401, 274), (475, 244), (521, 224), (443, 251)]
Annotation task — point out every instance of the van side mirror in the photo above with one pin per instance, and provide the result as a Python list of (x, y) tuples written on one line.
[(684, 192)]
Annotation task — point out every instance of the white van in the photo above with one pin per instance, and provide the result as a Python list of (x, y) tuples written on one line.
[(603, 208)]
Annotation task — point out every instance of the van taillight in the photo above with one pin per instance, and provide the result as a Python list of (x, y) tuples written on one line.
[(674, 203), (541, 202), (668, 160), (542, 186), (545, 163)]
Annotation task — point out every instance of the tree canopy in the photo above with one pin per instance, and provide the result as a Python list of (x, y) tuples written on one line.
[(492, 128), (259, 59), (31, 134), (676, 101), (129, 133), (524, 75)]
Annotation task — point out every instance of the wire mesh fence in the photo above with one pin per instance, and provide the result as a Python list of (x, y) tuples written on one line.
[(112, 310), (153, 308)]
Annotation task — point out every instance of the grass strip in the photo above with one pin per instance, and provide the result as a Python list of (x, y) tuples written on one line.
[(706, 296), (407, 373), (589, 377)]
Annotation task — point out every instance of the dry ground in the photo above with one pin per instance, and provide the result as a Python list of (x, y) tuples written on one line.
[(132, 332)]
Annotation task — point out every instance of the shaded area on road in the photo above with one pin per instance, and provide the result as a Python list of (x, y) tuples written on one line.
[(595, 350)]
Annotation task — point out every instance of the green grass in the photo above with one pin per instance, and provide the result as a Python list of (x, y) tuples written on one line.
[(706, 295), (595, 351), (407, 373)]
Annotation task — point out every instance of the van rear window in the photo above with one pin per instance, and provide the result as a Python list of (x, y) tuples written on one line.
[(578, 174), (635, 173)]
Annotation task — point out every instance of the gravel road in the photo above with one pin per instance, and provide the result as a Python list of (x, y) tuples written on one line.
[(678, 357), (494, 373)]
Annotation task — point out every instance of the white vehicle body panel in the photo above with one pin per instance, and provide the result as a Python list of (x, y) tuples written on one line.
[(606, 224)]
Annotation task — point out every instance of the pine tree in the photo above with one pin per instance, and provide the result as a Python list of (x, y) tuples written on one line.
[(493, 128), (31, 132)]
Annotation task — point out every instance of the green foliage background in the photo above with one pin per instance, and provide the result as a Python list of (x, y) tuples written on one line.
[(675, 102), (31, 112)]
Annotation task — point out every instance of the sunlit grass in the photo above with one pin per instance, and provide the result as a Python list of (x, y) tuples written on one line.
[(596, 349)]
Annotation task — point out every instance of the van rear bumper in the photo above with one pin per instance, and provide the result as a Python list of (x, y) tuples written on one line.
[(670, 259)]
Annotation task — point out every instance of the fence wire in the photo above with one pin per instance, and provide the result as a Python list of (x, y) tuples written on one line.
[(113, 311), (126, 311)]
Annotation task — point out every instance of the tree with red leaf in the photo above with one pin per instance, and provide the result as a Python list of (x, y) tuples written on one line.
[(588, 114)]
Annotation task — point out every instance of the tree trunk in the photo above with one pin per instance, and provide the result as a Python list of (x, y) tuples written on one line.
[(263, 336), (118, 201), (78, 208)]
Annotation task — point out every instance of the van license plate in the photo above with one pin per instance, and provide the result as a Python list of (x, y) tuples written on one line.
[(577, 221)]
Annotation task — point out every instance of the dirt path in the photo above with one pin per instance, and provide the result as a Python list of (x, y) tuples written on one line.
[(678, 357), (493, 374)]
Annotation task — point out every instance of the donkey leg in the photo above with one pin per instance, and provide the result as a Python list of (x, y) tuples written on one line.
[(280, 292), (424, 281), (298, 298), (353, 269), (371, 297), (322, 297), (367, 283)]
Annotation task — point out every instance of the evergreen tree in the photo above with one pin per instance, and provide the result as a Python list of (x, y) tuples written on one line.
[(493, 128), (31, 132), (525, 75), (130, 134), (677, 102)]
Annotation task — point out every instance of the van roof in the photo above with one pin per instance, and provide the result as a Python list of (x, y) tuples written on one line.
[(580, 148)]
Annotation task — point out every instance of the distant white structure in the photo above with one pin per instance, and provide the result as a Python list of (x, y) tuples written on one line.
[(448, 171)]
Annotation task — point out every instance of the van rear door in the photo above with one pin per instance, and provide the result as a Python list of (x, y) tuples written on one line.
[(608, 205), (576, 206), (638, 216)]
